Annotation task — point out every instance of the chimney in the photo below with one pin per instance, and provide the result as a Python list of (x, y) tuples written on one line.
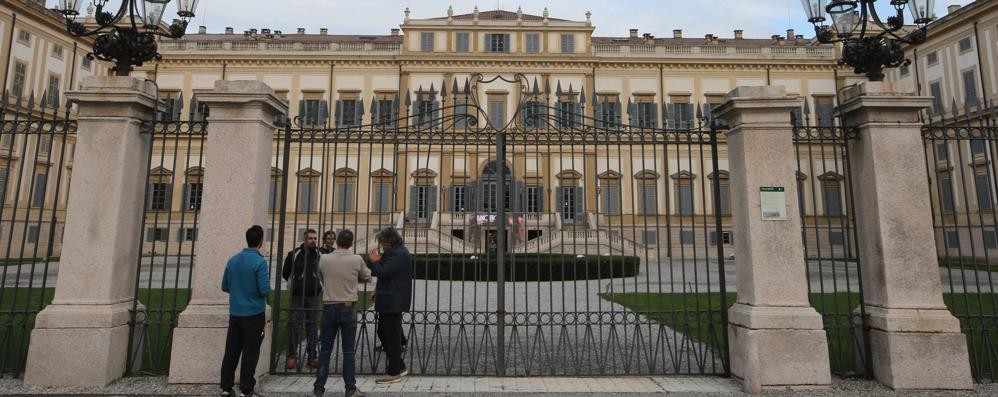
[(229, 30), (323, 31), (677, 33), (265, 32), (953, 8), (790, 34), (710, 37), (277, 34), (739, 34), (301, 30), (202, 30), (634, 33), (252, 33), (395, 32)]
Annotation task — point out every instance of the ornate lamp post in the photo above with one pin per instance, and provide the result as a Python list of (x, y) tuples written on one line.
[(869, 43), (128, 37)]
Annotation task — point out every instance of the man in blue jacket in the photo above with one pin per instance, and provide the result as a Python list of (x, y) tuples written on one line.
[(392, 297), (247, 281)]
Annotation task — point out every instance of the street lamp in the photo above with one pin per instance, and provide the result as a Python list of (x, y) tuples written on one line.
[(127, 38), (869, 44)]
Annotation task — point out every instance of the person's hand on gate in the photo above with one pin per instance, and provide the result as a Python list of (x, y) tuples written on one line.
[(374, 255)]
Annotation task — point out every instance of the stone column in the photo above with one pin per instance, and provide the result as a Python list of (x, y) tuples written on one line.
[(81, 339), (775, 336), (916, 343), (237, 159)]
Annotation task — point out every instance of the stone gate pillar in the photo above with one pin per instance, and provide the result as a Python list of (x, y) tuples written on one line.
[(237, 157), (775, 336), (81, 339), (915, 342)]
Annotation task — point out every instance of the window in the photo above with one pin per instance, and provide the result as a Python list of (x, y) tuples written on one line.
[(344, 197), (193, 192), (568, 113), (964, 44), (567, 43), (946, 190), (275, 190), (308, 194), (52, 91), (496, 42), (32, 236), (687, 237), (189, 234), (4, 175), (348, 113), (713, 101), (161, 193), (427, 109), (382, 199), (611, 196), (533, 43), (87, 62), (424, 200), (20, 76), (726, 238), (836, 238), (462, 43), (952, 239), (535, 200), (570, 202), (990, 239), (384, 110), (833, 198), (426, 41), (645, 113), (650, 237), (157, 234), (38, 196), (679, 113), (607, 111), (57, 51), (904, 70), (497, 112), (935, 89), (313, 112), (983, 188), (978, 147), (725, 192), (532, 114), (44, 145), (24, 37), (932, 58), (942, 152), (459, 198), (684, 192), (970, 87), (824, 110), (648, 200)]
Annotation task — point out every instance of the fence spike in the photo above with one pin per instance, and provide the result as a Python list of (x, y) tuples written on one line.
[(582, 97), (31, 101), (954, 109), (454, 90), (699, 112), (375, 107), (571, 92), (537, 89), (557, 89), (4, 101), (408, 99), (467, 86), (360, 104), (443, 91), (547, 86), (807, 106)]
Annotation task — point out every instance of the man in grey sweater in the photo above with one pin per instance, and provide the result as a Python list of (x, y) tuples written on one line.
[(340, 271)]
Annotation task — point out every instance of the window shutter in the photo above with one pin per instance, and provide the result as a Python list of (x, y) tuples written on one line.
[(323, 112), (431, 200), (358, 113), (178, 104), (577, 120), (654, 113), (725, 200), (506, 43), (180, 235), (347, 197), (519, 196), (186, 199), (983, 192), (650, 196), (169, 197), (413, 191), (580, 207), (559, 194), (301, 112), (598, 113), (149, 196), (472, 192), (193, 113), (451, 199), (540, 199), (435, 114), (150, 234), (338, 114)]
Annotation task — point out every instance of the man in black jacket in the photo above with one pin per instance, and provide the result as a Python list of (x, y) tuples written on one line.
[(393, 296), (301, 272)]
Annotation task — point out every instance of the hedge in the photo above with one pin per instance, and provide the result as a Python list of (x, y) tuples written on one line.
[(523, 267)]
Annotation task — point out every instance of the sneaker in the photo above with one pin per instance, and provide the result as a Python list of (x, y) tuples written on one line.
[(405, 371), (356, 393), (292, 362), (388, 379), (228, 393), (251, 394), (312, 363)]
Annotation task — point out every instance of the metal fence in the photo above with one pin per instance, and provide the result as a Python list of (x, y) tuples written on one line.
[(37, 139), (545, 241), (960, 149), (825, 202)]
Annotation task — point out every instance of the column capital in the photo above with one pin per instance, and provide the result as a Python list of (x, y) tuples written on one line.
[(242, 100), (115, 96), (763, 106), (889, 101)]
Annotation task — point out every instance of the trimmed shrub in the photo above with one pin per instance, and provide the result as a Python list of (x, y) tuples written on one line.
[(523, 267)]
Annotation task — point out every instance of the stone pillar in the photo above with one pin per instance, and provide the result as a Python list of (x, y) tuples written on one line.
[(775, 337), (237, 159), (916, 343), (81, 339)]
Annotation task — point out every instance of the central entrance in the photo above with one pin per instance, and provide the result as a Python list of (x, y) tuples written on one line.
[(548, 237)]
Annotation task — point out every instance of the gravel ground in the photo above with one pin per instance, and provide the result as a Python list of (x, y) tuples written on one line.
[(158, 386)]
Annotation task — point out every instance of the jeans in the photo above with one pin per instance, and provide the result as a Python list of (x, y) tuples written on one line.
[(337, 318), (303, 309), (390, 333), (243, 339)]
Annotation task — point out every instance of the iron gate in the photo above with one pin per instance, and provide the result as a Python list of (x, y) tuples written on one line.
[(546, 241)]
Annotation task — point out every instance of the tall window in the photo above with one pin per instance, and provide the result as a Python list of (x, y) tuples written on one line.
[(568, 112), (313, 111), (683, 181), (679, 113), (946, 191), (426, 40), (713, 101), (824, 110), (497, 110), (982, 184), (532, 114), (497, 42), (459, 198), (965, 44), (41, 182), (607, 111), (645, 112), (160, 189), (423, 198), (308, 190), (724, 196), (832, 191), (533, 43), (426, 108), (24, 36), (978, 147), (970, 87), (382, 199), (462, 43), (942, 152), (344, 183), (385, 110), (535, 199), (348, 113), (44, 145), (57, 51), (20, 76), (610, 192), (647, 192), (567, 43), (193, 189), (935, 89), (932, 58), (52, 91), (423, 195), (274, 199)]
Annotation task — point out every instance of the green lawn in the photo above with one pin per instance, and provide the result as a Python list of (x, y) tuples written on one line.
[(956, 265), (162, 308), (697, 315), (28, 261)]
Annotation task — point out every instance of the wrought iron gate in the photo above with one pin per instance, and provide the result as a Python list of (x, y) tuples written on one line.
[(546, 241)]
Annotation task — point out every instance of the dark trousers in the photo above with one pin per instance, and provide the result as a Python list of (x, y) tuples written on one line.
[(337, 318), (303, 313), (390, 333), (243, 339)]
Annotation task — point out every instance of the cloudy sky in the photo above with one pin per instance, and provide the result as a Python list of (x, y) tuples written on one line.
[(758, 18)]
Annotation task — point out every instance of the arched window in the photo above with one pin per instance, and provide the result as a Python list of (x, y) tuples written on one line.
[(193, 188), (423, 195), (344, 189), (160, 195), (647, 181), (725, 191), (609, 191), (571, 197), (382, 190), (308, 190), (683, 181), (274, 198), (831, 189)]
